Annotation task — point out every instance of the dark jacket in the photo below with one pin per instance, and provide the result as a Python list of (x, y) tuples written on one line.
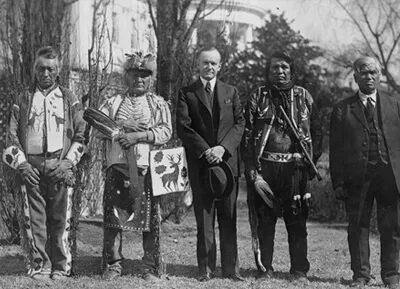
[(195, 124), (349, 141)]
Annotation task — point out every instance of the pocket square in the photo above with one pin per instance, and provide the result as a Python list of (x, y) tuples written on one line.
[(228, 101)]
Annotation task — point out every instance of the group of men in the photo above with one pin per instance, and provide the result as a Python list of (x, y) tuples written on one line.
[(278, 135)]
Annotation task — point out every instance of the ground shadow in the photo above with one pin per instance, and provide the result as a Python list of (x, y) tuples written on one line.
[(88, 265), (191, 271), (132, 267), (287, 276), (181, 270), (16, 265), (12, 265), (373, 282)]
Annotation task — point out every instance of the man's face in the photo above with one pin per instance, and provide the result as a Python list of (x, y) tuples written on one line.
[(46, 72), (279, 72), (367, 78), (209, 64), (138, 81)]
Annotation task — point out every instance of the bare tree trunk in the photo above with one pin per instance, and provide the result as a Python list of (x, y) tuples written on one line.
[(175, 69), (46, 23)]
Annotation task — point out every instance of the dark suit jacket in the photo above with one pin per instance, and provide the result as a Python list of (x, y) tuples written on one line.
[(195, 123), (349, 142)]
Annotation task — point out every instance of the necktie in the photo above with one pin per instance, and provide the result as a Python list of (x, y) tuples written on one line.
[(369, 110), (208, 87), (209, 94)]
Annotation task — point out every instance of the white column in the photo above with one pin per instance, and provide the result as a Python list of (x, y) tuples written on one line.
[(249, 34), (193, 39)]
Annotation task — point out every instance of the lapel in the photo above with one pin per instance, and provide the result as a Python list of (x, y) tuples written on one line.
[(356, 108), (383, 105), (220, 94), (200, 93)]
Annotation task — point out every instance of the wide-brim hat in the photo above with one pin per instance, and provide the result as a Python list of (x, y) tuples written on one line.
[(218, 179)]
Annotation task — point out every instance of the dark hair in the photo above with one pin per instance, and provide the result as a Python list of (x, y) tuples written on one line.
[(47, 52), (281, 54)]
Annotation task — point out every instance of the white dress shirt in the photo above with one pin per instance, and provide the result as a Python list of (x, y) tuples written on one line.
[(212, 83), (364, 97)]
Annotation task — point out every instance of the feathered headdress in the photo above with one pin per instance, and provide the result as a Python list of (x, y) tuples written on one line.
[(140, 61)]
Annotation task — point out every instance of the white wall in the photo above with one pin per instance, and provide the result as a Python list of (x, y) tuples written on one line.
[(127, 26)]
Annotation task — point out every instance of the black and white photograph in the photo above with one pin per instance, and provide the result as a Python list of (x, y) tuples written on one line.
[(199, 144)]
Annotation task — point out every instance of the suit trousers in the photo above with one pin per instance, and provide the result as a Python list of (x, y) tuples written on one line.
[(380, 185), (205, 209)]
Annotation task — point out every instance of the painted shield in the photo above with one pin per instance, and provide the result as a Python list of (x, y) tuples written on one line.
[(169, 171)]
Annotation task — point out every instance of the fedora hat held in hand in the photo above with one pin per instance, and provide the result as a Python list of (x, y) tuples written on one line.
[(218, 179)]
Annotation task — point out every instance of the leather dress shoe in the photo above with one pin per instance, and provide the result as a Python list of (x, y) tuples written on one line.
[(204, 277), (358, 283), (235, 277)]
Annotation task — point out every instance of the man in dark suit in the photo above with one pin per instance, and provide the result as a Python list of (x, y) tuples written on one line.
[(365, 165), (210, 124)]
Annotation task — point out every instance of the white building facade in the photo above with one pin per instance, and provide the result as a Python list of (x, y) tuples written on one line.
[(123, 26), (234, 19), (113, 28)]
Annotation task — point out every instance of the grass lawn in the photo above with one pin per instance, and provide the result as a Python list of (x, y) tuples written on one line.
[(328, 255)]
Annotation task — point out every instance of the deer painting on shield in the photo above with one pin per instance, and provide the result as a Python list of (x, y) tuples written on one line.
[(172, 177)]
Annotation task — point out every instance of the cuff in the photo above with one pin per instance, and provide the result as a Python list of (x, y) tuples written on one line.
[(75, 153), (13, 157), (150, 136)]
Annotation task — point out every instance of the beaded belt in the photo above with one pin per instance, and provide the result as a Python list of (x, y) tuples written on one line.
[(277, 157)]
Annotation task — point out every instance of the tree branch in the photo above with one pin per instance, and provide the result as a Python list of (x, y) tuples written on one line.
[(200, 8), (182, 15), (358, 25), (212, 10), (153, 18)]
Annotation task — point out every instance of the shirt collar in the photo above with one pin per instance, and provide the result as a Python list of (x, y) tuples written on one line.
[(364, 97), (46, 91), (212, 82)]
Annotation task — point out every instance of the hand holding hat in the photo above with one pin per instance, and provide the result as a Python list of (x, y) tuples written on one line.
[(214, 155), (218, 179)]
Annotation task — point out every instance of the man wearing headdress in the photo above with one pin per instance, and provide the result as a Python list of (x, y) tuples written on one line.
[(145, 119), (274, 161), (46, 136), (365, 166)]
